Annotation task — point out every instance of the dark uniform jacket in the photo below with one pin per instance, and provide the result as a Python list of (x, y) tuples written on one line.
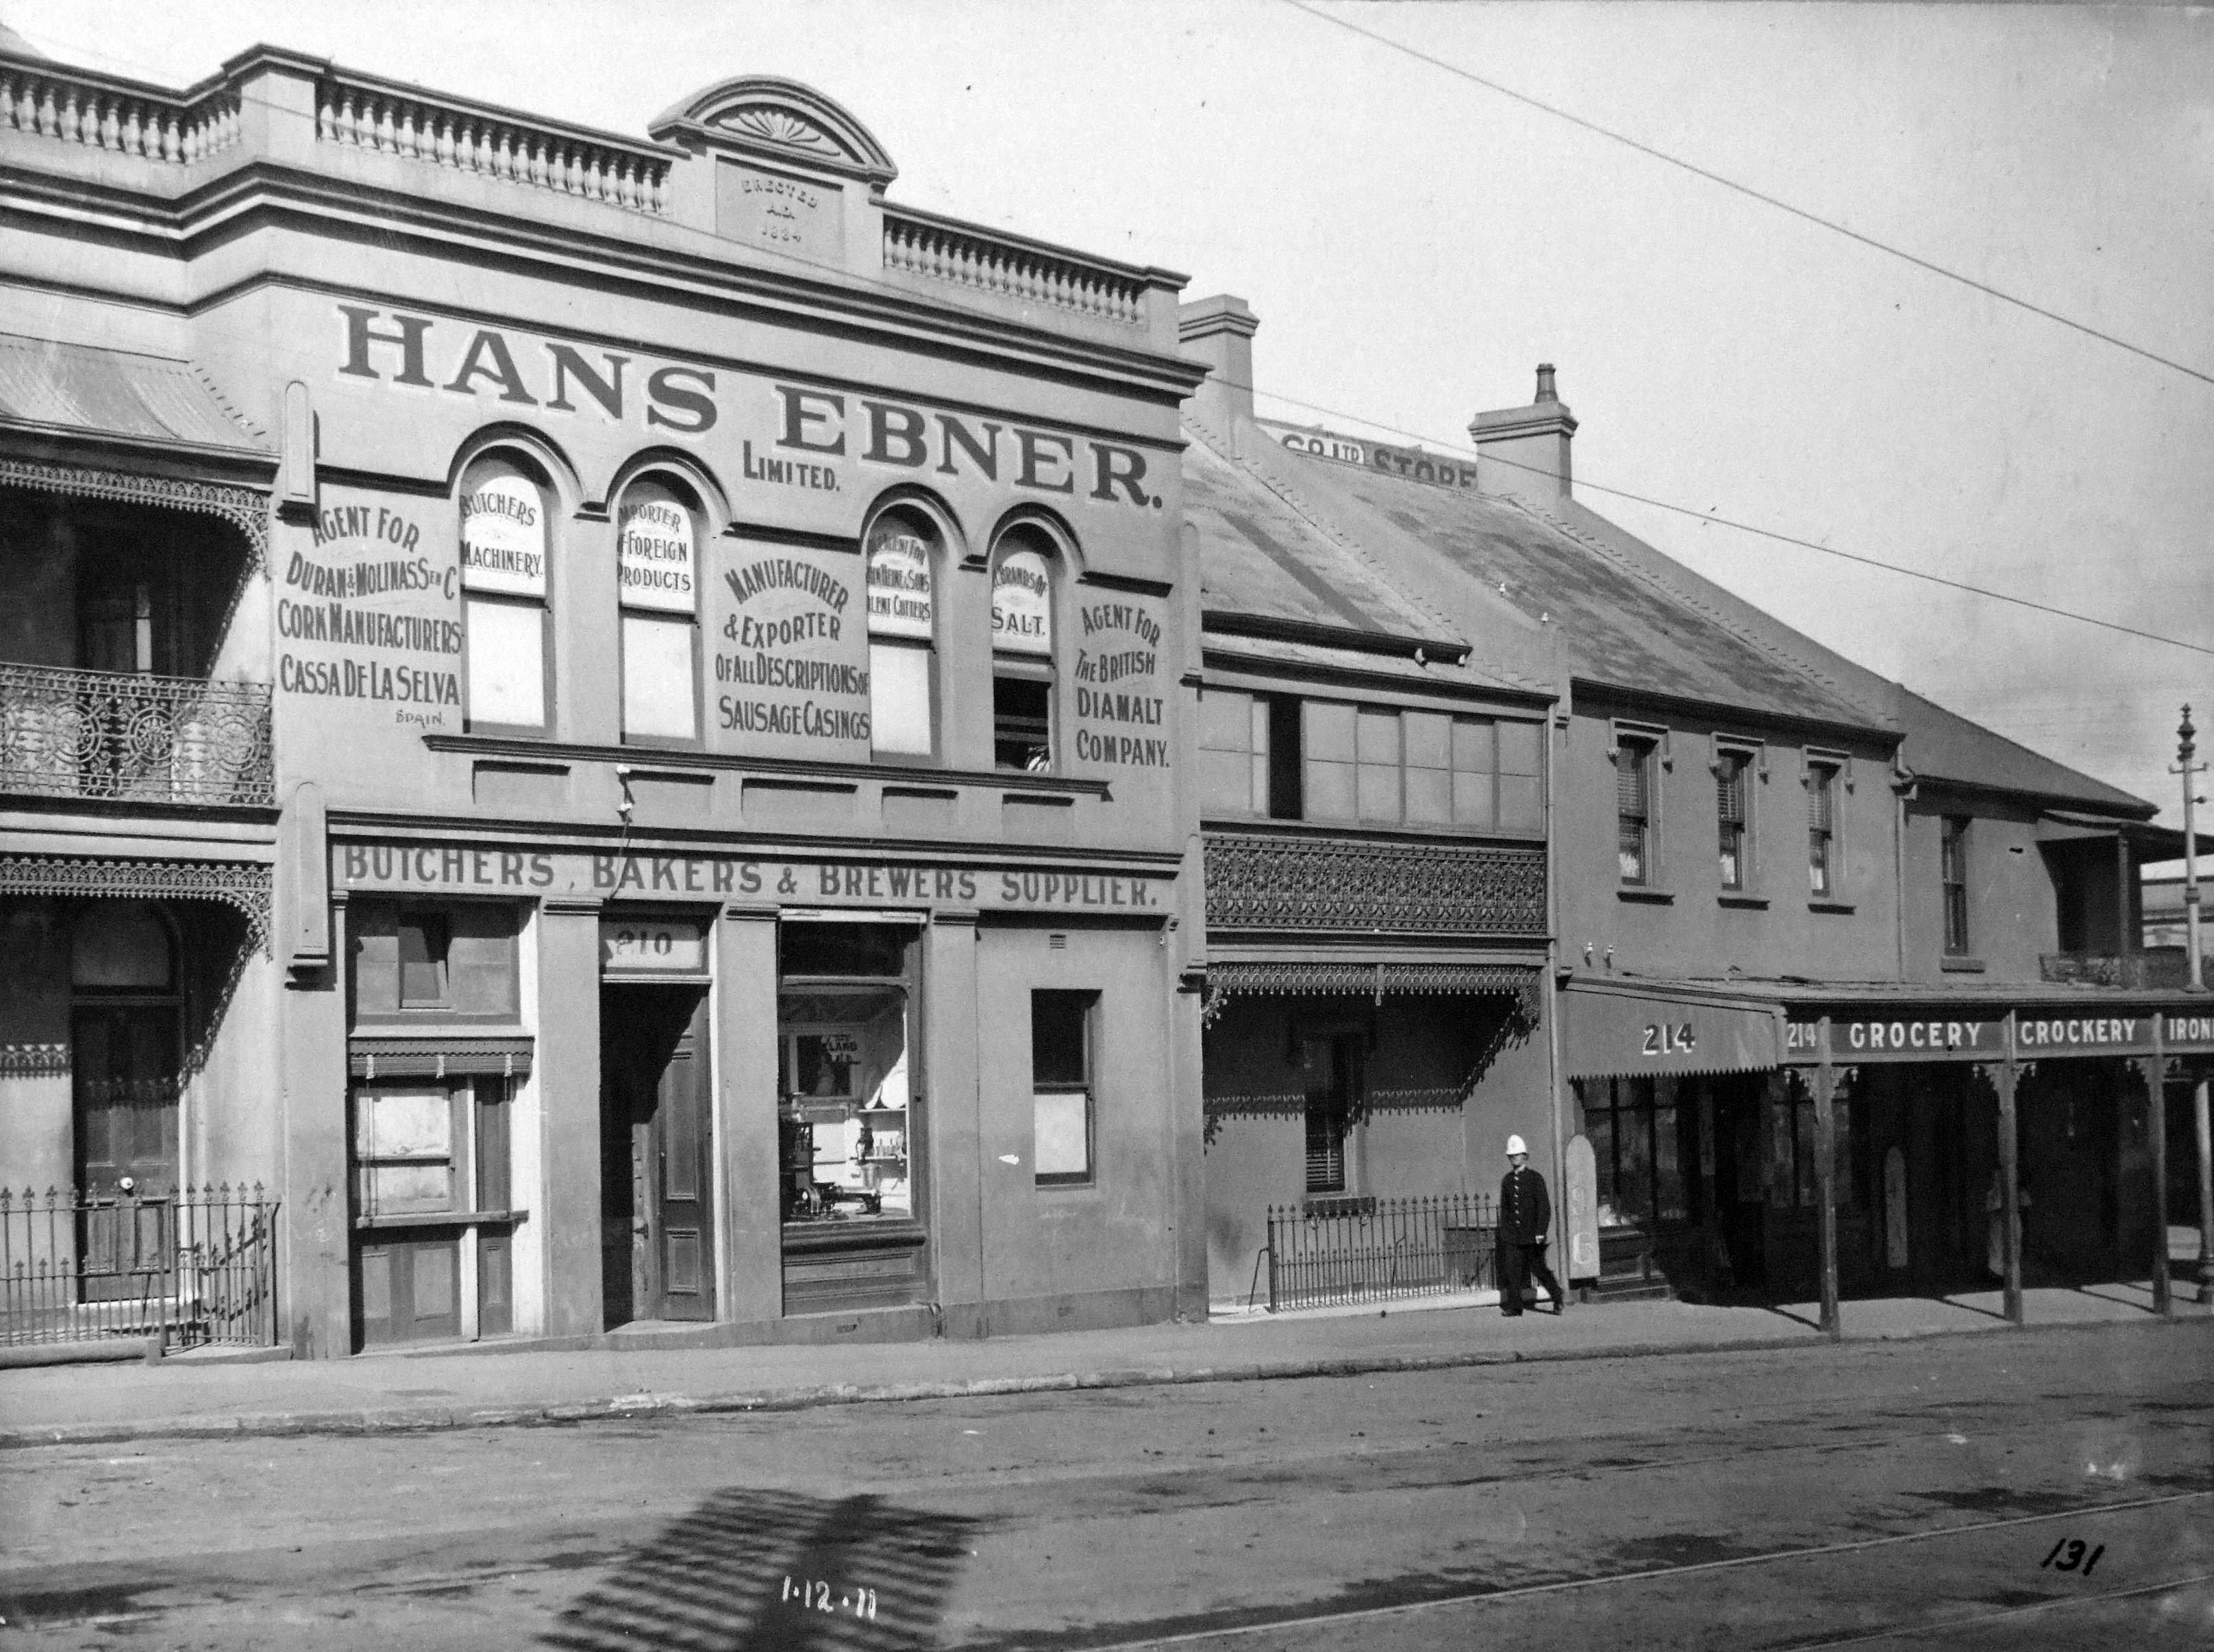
[(1526, 1213)]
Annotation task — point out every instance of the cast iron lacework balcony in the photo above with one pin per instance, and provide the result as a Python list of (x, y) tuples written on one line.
[(132, 738), (1258, 880)]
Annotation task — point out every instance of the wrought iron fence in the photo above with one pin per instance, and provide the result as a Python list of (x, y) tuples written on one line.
[(190, 1268), (135, 738), (1358, 1250)]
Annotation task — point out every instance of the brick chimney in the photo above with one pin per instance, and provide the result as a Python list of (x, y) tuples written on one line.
[(1218, 331), (1523, 452)]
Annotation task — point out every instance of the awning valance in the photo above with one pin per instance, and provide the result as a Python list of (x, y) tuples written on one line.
[(443, 1057), (1618, 1029), (1334, 977)]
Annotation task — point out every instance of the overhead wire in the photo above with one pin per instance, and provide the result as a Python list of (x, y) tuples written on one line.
[(1583, 482), (1766, 199)]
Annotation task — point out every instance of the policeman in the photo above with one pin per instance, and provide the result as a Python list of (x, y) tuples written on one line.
[(1525, 1223)]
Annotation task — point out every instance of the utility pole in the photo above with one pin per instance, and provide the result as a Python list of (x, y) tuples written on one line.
[(2186, 747), (2185, 750)]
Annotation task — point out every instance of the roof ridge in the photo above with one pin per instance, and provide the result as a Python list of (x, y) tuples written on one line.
[(1283, 489), (1697, 605), (222, 400)]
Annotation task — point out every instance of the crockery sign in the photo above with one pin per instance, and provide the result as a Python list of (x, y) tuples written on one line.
[(470, 869)]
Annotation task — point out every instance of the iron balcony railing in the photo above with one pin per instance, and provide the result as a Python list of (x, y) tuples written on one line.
[(133, 737), (188, 1269), (2151, 969), (1329, 1251)]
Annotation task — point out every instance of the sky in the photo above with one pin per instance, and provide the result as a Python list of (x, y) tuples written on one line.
[(1415, 242)]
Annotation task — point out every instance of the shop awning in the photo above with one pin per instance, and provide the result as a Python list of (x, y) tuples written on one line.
[(1611, 1029), (1335, 977), (118, 395)]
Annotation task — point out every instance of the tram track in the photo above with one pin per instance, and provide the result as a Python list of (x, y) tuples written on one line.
[(1346, 1618)]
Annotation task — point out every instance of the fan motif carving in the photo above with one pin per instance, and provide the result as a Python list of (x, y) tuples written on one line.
[(783, 128)]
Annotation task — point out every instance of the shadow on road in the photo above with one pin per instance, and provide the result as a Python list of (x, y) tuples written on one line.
[(777, 1571)]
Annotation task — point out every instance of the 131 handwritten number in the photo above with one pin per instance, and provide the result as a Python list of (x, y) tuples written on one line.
[(2073, 1556)]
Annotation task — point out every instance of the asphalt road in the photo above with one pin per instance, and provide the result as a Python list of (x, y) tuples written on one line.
[(2002, 1492)]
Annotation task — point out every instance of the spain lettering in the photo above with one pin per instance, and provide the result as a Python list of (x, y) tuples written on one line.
[(368, 613)]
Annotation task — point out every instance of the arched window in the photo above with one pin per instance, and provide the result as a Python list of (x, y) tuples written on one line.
[(1023, 565), (658, 563), (904, 547), (506, 547)]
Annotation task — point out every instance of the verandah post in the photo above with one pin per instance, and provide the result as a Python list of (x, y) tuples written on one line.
[(1826, 1080), (2010, 1185), (2154, 1070), (2205, 1193)]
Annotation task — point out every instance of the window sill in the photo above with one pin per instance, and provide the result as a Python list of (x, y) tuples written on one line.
[(1749, 902), (1832, 906), (442, 1218), (1956, 965), (1645, 897), (535, 745), (858, 1233)]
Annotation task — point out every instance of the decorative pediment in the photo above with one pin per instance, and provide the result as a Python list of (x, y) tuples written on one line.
[(780, 119)]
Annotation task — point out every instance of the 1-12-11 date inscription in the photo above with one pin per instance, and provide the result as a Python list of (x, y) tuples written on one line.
[(813, 1594)]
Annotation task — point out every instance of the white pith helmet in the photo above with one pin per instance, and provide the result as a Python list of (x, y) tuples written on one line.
[(1514, 1145)]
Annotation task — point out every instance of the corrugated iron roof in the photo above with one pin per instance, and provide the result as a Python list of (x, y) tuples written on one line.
[(1257, 555), (1617, 626), (1942, 745), (116, 394)]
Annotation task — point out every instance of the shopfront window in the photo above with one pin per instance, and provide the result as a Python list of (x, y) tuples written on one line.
[(904, 549), (844, 1043), (1794, 1168), (657, 563), (431, 1192), (505, 512), (1633, 1125), (1061, 1085), (1022, 650)]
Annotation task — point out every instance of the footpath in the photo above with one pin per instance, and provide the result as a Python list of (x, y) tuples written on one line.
[(213, 1396)]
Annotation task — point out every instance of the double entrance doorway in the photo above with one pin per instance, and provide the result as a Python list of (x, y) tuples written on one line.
[(656, 1217)]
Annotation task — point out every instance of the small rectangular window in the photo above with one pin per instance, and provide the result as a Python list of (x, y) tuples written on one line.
[(1287, 753), (1821, 828), (1376, 750), (506, 662), (405, 1151), (425, 939), (659, 702), (1633, 788), (1953, 857), (1061, 1085), (1522, 777), (1428, 780), (900, 718), (1731, 805), (1022, 722), (1233, 754), (1329, 774), (1475, 772)]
